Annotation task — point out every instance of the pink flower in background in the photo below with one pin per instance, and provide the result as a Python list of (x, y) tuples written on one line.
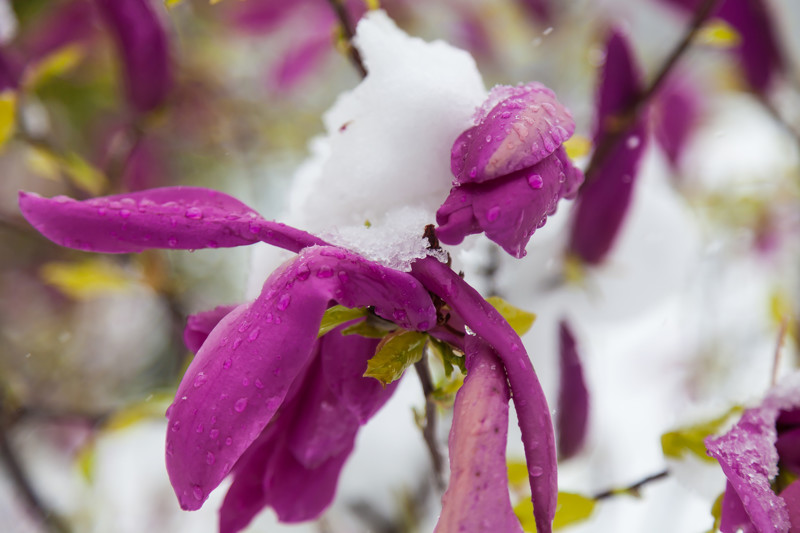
[(510, 169), (604, 201)]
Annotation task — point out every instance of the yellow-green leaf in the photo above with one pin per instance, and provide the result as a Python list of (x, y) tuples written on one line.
[(85, 461), (43, 162), (396, 352), (170, 3), (152, 407), (338, 315), (8, 115), (86, 279), (83, 174), (517, 473), (716, 513), (54, 64), (365, 329), (570, 509), (577, 146), (448, 356), (520, 320), (690, 439), (719, 34)]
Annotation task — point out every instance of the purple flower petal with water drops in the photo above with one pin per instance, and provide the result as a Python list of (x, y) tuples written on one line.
[(244, 369), (751, 459), (344, 361), (510, 168), (509, 209), (573, 397), (185, 218), (477, 497), (604, 200), (143, 44), (199, 326), (529, 399), (759, 52)]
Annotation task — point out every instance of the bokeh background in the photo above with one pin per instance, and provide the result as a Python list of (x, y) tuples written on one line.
[(693, 312)]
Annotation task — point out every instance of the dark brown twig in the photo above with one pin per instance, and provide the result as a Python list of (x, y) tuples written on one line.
[(347, 30), (429, 431), (634, 489), (628, 117)]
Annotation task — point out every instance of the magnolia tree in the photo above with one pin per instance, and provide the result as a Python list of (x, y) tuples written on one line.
[(652, 229)]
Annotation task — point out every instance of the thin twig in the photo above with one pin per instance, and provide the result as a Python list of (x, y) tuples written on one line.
[(631, 489), (347, 29), (16, 472), (429, 432), (628, 117)]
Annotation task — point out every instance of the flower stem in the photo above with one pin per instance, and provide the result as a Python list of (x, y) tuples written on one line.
[(429, 432), (347, 29), (634, 489), (629, 116)]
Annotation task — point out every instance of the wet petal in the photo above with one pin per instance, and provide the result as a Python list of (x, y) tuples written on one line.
[(518, 127), (184, 218), (604, 200), (676, 113), (199, 326), (143, 44), (733, 517), (477, 498), (573, 397), (244, 369), (529, 399), (791, 495), (344, 361)]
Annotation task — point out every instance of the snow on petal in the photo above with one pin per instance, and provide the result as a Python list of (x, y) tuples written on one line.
[(477, 497)]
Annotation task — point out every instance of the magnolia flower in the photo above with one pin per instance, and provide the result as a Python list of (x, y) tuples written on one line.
[(510, 168), (765, 443), (264, 398), (603, 202)]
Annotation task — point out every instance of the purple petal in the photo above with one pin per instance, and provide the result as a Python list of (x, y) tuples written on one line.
[(788, 446), (477, 498), (529, 400), (509, 209), (573, 397), (243, 371), (791, 495), (65, 24), (185, 218), (261, 16), (143, 45), (603, 201), (518, 127), (675, 113), (541, 10), (200, 325), (733, 517), (344, 361), (325, 427), (300, 61)]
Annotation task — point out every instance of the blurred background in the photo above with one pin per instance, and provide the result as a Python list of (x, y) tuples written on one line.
[(693, 311)]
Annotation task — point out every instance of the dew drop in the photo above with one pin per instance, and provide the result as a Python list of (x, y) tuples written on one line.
[(124, 213), (245, 382), (197, 492), (194, 213), (399, 315), (200, 380), (473, 172), (536, 471), (254, 334), (488, 138), (176, 426), (493, 213), (210, 459), (199, 428), (214, 433), (324, 272), (505, 114), (236, 344), (633, 142), (228, 441), (226, 364), (173, 242), (303, 272), (283, 302), (535, 181), (101, 211), (239, 406)]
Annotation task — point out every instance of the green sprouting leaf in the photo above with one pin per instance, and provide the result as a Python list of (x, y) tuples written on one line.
[(444, 394), (520, 320), (396, 352), (365, 329), (571, 509), (716, 513), (677, 443), (338, 315), (448, 356)]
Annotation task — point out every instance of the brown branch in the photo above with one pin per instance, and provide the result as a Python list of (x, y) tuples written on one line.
[(347, 30), (634, 489), (629, 116), (429, 431)]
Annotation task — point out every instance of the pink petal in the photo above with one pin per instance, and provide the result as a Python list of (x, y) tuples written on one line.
[(573, 397), (200, 325)]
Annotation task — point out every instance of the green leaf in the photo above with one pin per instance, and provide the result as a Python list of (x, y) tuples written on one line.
[(338, 315), (365, 329), (521, 321), (8, 115), (716, 513), (690, 439), (396, 352), (448, 356), (571, 509)]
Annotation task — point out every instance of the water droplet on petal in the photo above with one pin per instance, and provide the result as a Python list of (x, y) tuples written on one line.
[(210, 459), (124, 213), (226, 364), (101, 211), (536, 471), (493, 213), (228, 441), (194, 213), (197, 492), (283, 302), (240, 404), (488, 138), (324, 272), (199, 428), (173, 242), (258, 384), (254, 334), (176, 426), (535, 181), (633, 142), (303, 272), (214, 433), (245, 382), (200, 380), (236, 343)]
